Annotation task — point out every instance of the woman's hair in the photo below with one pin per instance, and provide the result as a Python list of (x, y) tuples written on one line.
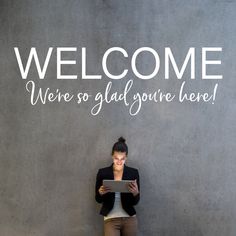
[(120, 146)]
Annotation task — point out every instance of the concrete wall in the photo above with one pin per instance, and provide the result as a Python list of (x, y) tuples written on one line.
[(50, 153)]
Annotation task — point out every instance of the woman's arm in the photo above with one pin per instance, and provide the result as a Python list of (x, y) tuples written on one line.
[(136, 196), (99, 198)]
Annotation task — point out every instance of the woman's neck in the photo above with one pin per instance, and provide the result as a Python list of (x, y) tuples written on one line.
[(118, 170)]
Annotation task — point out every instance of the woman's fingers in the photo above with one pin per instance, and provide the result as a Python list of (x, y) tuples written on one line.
[(133, 187), (106, 188), (103, 189), (133, 184)]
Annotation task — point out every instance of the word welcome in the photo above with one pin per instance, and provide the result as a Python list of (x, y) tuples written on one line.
[(169, 59)]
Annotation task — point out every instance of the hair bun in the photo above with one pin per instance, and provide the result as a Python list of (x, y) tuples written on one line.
[(121, 139)]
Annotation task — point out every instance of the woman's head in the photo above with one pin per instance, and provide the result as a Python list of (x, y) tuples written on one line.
[(119, 153), (120, 146)]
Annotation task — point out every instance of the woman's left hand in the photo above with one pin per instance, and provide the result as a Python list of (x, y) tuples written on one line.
[(133, 188)]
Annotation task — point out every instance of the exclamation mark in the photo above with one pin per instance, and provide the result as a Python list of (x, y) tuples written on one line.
[(214, 93)]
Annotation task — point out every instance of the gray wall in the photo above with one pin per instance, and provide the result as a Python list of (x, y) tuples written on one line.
[(50, 153)]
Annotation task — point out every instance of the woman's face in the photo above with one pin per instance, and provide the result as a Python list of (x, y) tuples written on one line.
[(119, 159)]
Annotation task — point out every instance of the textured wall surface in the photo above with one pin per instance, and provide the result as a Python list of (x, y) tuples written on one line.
[(185, 152)]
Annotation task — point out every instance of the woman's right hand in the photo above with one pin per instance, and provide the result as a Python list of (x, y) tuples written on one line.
[(103, 190)]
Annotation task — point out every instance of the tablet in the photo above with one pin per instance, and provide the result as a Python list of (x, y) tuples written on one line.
[(117, 185)]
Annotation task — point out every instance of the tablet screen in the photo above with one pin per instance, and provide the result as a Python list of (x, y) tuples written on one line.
[(117, 185)]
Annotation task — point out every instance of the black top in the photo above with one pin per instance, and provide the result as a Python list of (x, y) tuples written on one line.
[(128, 200)]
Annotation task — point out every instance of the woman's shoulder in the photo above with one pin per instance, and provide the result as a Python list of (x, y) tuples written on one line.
[(104, 169), (129, 168)]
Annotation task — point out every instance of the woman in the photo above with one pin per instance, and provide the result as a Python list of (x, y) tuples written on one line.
[(117, 208)]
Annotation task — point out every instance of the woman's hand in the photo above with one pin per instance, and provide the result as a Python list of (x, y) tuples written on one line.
[(133, 188), (103, 190)]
